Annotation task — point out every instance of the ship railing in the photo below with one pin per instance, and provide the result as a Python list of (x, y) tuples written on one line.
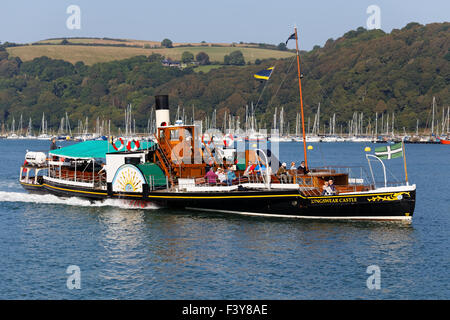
[(99, 180), (167, 161), (391, 183), (303, 181), (357, 175)]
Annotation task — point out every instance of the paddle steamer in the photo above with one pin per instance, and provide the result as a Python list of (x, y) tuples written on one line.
[(169, 170)]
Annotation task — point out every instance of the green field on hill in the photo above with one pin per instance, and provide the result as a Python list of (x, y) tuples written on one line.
[(94, 54)]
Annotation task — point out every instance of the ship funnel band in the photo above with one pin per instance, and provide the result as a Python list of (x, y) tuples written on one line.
[(162, 110), (162, 102)]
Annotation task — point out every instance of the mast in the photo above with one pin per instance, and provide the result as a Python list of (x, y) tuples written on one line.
[(432, 120), (301, 98), (376, 124)]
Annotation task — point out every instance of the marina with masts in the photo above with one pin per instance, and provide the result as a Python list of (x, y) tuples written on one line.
[(360, 128)]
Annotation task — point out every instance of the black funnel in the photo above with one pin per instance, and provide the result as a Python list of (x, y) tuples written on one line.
[(162, 102)]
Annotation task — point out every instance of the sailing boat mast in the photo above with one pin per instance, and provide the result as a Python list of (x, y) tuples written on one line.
[(301, 98)]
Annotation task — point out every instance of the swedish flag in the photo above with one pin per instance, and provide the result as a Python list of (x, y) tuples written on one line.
[(264, 74)]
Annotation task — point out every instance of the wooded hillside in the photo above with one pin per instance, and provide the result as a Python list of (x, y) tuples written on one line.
[(364, 71)]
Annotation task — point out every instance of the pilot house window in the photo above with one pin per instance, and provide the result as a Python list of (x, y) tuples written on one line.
[(174, 135)]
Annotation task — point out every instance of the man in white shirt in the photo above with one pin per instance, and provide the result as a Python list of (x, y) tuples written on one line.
[(221, 175)]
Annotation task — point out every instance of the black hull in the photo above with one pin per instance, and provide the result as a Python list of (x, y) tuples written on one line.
[(34, 188), (397, 205)]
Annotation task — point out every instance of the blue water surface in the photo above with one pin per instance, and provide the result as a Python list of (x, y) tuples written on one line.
[(168, 254)]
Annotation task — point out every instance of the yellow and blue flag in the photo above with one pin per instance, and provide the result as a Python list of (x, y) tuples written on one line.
[(264, 74)]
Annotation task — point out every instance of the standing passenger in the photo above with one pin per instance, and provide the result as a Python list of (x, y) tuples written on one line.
[(326, 189), (332, 187), (53, 146)]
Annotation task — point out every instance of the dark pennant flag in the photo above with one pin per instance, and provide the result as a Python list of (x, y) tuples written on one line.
[(292, 36)]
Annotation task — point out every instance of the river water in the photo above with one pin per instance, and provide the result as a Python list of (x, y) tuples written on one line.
[(129, 253)]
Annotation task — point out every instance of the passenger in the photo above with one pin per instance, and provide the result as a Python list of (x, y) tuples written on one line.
[(260, 169), (282, 173), (326, 189), (221, 175), (293, 166), (292, 172), (332, 187), (230, 176), (103, 169), (250, 169), (303, 168), (53, 146), (211, 176)]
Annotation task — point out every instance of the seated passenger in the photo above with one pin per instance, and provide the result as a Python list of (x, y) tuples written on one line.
[(230, 176), (221, 175), (211, 176), (282, 173), (302, 168), (293, 166), (250, 169), (260, 169)]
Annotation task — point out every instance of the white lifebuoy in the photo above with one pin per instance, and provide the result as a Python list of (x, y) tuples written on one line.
[(122, 144), (207, 138), (228, 140), (136, 145)]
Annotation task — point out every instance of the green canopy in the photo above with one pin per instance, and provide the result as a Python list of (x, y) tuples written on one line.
[(92, 149)]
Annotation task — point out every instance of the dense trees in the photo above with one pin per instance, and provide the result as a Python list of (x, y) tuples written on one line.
[(187, 57), (167, 43), (282, 46), (202, 58), (363, 71), (235, 58)]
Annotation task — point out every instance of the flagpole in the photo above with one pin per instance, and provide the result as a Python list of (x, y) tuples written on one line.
[(404, 162), (301, 98)]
